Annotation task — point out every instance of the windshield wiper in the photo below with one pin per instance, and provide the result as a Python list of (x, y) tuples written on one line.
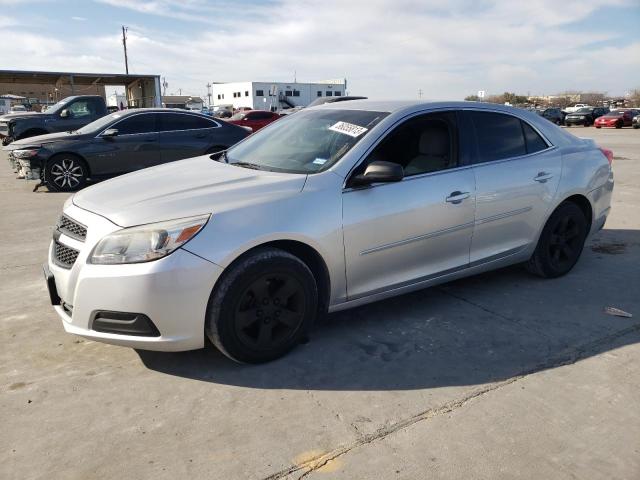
[(253, 166)]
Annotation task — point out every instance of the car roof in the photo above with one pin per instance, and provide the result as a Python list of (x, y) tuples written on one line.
[(398, 106), (132, 111)]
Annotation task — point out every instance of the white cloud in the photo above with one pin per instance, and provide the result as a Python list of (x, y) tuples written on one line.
[(79, 19), (386, 48)]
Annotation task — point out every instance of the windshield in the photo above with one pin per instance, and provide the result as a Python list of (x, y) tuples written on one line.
[(101, 123), (307, 142), (584, 110), (56, 107)]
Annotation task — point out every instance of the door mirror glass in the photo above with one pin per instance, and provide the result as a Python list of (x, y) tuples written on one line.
[(64, 113), (110, 132), (379, 171)]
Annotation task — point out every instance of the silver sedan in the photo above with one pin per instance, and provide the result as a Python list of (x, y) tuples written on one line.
[(333, 207)]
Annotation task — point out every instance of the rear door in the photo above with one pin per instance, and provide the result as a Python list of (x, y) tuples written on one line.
[(517, 174), (136, 146), (185, 135), (401, 233)]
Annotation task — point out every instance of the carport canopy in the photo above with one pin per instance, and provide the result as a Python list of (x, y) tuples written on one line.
[(141, 89)]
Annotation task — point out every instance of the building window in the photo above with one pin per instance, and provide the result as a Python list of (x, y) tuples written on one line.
[(259, 93), (337, 93), (246, 93), (319, 93), (219, 97), (239, 94), (296, 93), (328, 93), (287, 93)]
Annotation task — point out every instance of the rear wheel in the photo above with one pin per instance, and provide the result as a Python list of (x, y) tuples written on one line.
[(560, 243), (66, 173), (618, 124), (263, 307)]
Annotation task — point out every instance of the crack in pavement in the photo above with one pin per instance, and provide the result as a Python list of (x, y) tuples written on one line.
[(497, 314), (567, 357)]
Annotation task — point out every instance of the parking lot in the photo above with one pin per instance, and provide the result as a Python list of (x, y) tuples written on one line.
[(503, 375)]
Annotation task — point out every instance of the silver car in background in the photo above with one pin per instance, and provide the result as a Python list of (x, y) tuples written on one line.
[(334, 207)]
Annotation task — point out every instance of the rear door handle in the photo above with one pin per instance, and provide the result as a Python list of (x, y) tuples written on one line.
[(457, 197), (542, 177)]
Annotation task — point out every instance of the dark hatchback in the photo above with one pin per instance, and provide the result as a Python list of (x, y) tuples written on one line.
[(120, 143), (585, 116)]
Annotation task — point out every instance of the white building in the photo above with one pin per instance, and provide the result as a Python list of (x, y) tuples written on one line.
[(275, 95), (117, 100)]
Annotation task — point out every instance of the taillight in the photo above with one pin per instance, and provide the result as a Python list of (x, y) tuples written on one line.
[(607, 153)]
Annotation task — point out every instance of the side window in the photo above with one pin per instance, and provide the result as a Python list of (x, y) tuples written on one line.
[(80, 109), (144, 123), (498, 136), (179, 121), (535, 143), (423, 144)]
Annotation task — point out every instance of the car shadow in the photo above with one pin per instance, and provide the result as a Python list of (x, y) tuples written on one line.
[(481, 329)]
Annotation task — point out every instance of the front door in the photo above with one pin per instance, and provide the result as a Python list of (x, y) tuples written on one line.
[(517, 175), (396, 234)]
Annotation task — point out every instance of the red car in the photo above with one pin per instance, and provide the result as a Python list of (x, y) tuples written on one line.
[(615, 118), (254, 119)]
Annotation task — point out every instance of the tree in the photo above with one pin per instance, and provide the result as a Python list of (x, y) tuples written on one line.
[(472, 98)]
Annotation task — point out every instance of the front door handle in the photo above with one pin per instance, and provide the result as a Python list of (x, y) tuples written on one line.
[(457, 197), (542, 177)]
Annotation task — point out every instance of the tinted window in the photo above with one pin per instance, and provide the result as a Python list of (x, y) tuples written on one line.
[(535, 143), (423, 144), (144, 123), (178, 121), (499, 136)]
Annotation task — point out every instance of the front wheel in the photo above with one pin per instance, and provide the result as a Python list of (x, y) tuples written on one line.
[(560, 243), (618, 124), (65, 173), (263, 306)]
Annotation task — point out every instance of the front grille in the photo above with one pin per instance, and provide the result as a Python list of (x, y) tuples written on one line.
[(72, 228), (64, 256)]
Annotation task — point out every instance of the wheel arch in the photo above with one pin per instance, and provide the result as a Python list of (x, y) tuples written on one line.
[(307, 254), (583, 203)]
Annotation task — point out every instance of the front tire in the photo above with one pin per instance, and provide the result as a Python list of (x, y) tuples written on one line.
[(560, 243), (618, 124), (262, 307), (66, 173)]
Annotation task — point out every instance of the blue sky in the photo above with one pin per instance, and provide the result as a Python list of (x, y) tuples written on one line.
[(386, 48)]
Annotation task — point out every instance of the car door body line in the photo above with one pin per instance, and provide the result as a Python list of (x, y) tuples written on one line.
[(500, 216), (426, 236), (427, 280)]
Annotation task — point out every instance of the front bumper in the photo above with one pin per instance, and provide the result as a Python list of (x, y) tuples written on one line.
[(576, 121), (172, 292)]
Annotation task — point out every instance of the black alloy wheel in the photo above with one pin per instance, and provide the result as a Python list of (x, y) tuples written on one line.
[(262, 306), (270, 311), (66, 173), (560, 243)]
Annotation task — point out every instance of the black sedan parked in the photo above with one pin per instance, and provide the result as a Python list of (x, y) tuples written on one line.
[(554, 115), (585, 116), (120, 143)]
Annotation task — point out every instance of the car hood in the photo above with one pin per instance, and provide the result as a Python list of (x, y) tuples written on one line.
[(184, 188), (44, 139), (17, 116)]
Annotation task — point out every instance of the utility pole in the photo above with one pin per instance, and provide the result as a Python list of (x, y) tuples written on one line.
[(420, 93), (164, 86), (209, 92), (124, 42)]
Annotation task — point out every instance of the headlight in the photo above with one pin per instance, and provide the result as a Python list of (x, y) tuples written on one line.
[(146, 242), (25, 153)]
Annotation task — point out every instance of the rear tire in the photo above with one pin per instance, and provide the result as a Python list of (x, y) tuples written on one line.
[(66, 173), (618, 124), (560, 243), (262, 307)]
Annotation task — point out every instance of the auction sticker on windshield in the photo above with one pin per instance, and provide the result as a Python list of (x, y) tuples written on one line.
[(348, 129)]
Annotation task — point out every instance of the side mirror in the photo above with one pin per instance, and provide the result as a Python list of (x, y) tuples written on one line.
[(64, 113), (110, 133), (379, 172)]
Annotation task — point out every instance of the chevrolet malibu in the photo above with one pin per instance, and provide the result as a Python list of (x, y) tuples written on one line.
[(334, 207)]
